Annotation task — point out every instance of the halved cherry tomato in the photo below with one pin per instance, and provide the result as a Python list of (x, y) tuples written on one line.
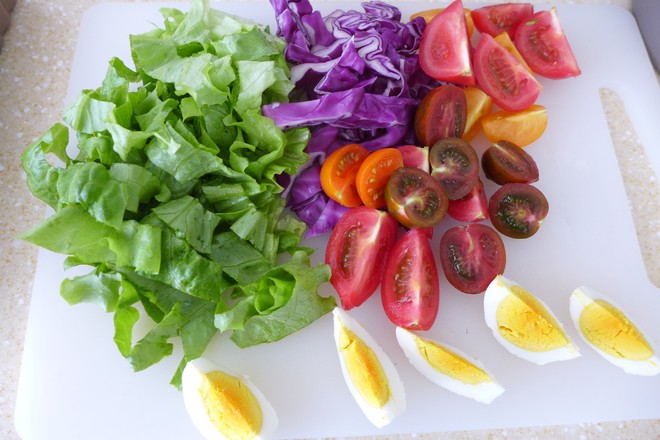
[(338, 174), (517, 210), (471, 256), (428, 15), (471, 208), (503, 77), (357, 250), (415, 198), (444, 50), (521, 128), (544, 45), (504, 40), (454, 163), (410, 289), (505, 17), (416, 157), (441, 113), (479, 104), (374, 173), (504, 162)]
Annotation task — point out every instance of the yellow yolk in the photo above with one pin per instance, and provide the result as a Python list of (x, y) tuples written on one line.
[(525, 322), (607, 328), (364, 368), (232, 407), (451, 364)]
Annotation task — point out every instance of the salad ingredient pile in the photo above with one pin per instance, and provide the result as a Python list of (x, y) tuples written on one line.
[(172, 195)]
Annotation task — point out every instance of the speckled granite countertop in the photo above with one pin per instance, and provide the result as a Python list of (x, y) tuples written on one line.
[(34, 71)]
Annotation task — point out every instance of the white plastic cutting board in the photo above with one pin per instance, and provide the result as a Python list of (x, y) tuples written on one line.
[(75, 385)]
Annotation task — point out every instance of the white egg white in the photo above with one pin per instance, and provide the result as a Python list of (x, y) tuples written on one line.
[(582, 297), (397, 401), (484, 392), (191, 379), (498, 290)]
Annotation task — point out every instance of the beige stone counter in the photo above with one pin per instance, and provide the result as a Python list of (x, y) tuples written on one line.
[(34, 70)]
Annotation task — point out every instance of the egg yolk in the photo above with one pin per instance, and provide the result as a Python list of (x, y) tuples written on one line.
[(451, 364), (364, 368), (233, 409), (609, 329), (525, 322)]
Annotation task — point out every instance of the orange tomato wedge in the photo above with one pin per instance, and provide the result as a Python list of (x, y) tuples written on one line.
[(521, 128), (374, 173), (338, 174), (505, 41), (430, 13), (479, 104)]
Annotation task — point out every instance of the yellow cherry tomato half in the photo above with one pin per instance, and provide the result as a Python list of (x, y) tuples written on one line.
[(338, 174), (374, 173)]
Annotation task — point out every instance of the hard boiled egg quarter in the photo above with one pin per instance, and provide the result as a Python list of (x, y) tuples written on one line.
[(369, 373), (607, 329), (449, 367), (524, 324), (223, 405)]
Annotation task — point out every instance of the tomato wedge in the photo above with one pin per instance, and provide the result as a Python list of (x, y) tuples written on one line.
[(410, 289), (357, 250), (505, 17), (472, 207), (416, 157), (504, 40), (441, 113), (472, 256), (415, 198), (521, 128), (503, 77), (338, 174), (479, 104), (444, 50), (428, 15), (373, 174), (518, 210), (544, 45)]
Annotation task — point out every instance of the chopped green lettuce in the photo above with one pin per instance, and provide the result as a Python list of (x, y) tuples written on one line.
[(173, 195)]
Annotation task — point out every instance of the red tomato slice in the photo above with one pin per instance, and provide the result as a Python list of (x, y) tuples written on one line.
[(338, 174), (444, 51), (357, 250), (472, 207), (544, 45), (410, 290), (503, 77), (505, 17), (472, 256)]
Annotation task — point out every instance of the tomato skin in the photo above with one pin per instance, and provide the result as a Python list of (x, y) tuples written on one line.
[(471, 256), (503, 77), (414, 156), (428, 15), (504, 162), (410, 289), (357, 250), (441, 113), (517, 210), (472, 207), (373, 174), (505, 17), (415, 198), (543, 44), (444, 50), (338, 174)]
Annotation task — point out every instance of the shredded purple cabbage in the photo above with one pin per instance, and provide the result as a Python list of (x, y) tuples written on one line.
[(358, 79)]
